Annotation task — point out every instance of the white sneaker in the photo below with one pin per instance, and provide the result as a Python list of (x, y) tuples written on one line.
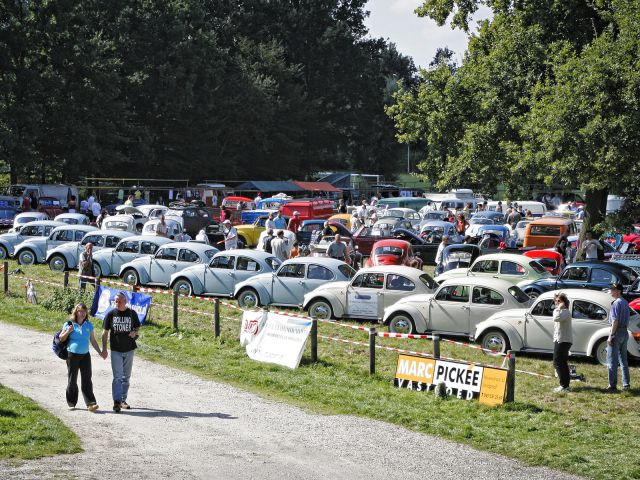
[(560, 389)]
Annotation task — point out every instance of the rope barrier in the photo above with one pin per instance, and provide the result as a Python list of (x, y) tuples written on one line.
[(475, 347), (404, 335)]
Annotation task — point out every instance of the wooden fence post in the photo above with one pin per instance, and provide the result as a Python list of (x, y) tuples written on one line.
[(511, 376), (314, 340), (436, 346), (175, 311), (66, 279), (372, 350), (216, 318), (5, 275)]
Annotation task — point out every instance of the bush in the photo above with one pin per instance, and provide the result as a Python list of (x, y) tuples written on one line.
[(64, 299)]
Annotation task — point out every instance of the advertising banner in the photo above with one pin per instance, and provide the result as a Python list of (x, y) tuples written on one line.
[(252, 324), (463, 380), (362, 305), (104, 300), (281, 340)]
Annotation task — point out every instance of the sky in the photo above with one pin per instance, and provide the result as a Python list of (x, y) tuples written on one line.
[(418, 38)]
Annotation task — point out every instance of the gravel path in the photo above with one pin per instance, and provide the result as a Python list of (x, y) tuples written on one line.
[(184, 427)]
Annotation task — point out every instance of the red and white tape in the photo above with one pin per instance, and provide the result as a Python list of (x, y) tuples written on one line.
[(404, 335), (475, 347)]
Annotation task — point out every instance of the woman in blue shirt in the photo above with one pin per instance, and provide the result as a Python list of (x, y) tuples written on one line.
[(79, 332)]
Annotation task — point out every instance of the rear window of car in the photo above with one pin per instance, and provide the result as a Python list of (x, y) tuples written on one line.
[(545, 230), (129, 247), (588, 310), (175, 213), (518, 294), (388, 250), (512, 268), (485, 266), (318, 272), (535, 265), (347, 271), (398, 282), (248, 265), (427, 280)]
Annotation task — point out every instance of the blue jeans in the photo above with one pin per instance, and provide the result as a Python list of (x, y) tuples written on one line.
[(617, 354), (121, 365)]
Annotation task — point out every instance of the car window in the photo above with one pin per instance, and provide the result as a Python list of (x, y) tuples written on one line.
[(600, 275), (77, 235), (389, 250), (247, 264), (519, 295), (398, 282), (427, 280), (149, 248), (576, 273), (292, 270), (372, 280), (453, 293), (588, 310), (189, 213), (318, 272), (537, 267), (96, 240), (111, 241), (187, 255), (544, 308), (167, 254), (211, 253), (63, 236), (29, 231), (47, 230), (128, 247), (485, 266), (486, 296), (273, 262), (346, 270), (511, 268), (225, 262)]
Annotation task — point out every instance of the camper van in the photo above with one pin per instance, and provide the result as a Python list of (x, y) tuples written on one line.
[(58, 191)]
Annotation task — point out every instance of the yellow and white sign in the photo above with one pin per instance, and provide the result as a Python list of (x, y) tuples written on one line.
[(465, 381)]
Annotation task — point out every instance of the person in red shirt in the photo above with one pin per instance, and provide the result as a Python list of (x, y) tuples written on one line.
[(294, 223), (461, 224)]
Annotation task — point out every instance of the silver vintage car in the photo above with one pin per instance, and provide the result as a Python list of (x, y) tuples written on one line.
[(8, 241), (21, 219), (66, 256), (288, 286), (73, 218), (34, 250), (220, 276), (107, 262), (169, 259)]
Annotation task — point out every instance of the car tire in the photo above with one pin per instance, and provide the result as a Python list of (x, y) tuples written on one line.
[(320, 309), (131, 277), (600, 352), (57, 263), (3, 253), (533, 294), (248, 298), (401, 323), (27, 257), (182, 286), (495, 340), (97, 271)]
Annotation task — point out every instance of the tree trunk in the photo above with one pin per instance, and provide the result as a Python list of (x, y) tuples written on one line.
[(595, 209)]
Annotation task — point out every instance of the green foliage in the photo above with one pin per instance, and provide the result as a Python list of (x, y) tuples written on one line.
[(64, 299)]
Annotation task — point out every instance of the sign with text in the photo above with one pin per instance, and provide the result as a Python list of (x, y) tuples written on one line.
[(104, 300), (463, 380), (362, 305), (280, 340), (252, 323)]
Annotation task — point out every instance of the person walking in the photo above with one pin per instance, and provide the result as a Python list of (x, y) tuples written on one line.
[(617, 341), (230, 235), (267, 241), (280, 222), (562, 340), (78, 331), (590, 246), (337, 249), (120, 326), (96, 209), (279, 246), (443, 244), (294, 222), (86, 266), (162, 230)]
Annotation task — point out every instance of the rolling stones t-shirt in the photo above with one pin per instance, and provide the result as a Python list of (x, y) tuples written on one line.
[(119, 325)]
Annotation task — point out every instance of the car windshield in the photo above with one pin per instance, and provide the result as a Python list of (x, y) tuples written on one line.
[(16, 191), (388, 250), (522, 224), (519, 295), (459, 256), (537, 267), (429, 230), (347, 271), (174, 212), (117, 225), (69, 221), (22, 220), (394, 213)]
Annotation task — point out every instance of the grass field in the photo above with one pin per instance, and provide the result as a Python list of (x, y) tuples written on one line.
[(586, 432), (27, 431)]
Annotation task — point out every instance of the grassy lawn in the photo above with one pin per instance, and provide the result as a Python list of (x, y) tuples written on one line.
[(585, 432), (27, 431)]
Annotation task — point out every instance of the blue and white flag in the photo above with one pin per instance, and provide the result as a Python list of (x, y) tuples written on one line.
[(104, 300)]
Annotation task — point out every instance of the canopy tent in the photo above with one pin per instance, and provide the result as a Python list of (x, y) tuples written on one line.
[(317, 187), (268, 186)]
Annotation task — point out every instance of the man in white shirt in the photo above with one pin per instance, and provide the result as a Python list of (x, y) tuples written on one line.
[(230, 235), (270, 223), (443, 244), (591, 247), (279, 246), (202, 237), (95, 209)]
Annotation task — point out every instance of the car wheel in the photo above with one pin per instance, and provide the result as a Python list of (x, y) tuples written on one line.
[(3, 253), (320, 309), (57, 263), (249, 298), (401, 323), (183, 287), (27, 257), (600, 352), (97, 271), (130, 276), (495, 340), (533, 294)]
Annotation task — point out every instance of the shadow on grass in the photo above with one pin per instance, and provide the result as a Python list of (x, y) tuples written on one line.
[(154, 413), (8, 413)]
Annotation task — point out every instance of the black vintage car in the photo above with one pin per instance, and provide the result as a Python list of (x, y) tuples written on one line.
[(458, 255), (591, 274), (194, 216), (421, 247)]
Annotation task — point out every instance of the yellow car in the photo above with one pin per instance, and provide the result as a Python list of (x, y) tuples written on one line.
[(249, 234), (343, 218)]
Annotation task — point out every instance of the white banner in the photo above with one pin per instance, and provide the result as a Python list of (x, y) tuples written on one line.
[(363, 305), (281, 340), (252, 323)]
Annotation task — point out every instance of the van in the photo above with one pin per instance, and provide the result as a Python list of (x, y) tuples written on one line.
[(415, 203), (546, 231), (309, 209), (58, 191), (537, 209), (452, 203)]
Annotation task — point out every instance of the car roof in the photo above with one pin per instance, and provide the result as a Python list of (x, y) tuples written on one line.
[(437, 223), (599, 263), (481, 281), (502, 256), (245, 252), (120, 216), (551, 220), (116, 233), (393, 242), (86, 228), (47, 223), (195, 246), (152, 238), (71, 215), (398, 269), (598, 296), (322, 260), (31, 214)]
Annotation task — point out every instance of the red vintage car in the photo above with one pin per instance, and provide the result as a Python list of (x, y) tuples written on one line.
[(549, 259), (393, 252), (635, 305)]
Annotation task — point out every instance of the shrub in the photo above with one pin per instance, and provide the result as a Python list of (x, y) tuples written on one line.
[(64, 299)]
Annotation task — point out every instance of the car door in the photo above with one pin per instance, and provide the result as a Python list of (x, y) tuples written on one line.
[(396, 287), (512, 271), (586, 318), (317, 275), (123, 253), (484, 303), (163, 265), (219, 277), (449, 309), (601, 279), (574, 277), (364, 296), (246, 268), (287, 284), (186, 258), (539, 325)]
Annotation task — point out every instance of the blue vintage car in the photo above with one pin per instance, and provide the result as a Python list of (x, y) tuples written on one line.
[(73, 218), (497, 218), (433, 231), (288, 286), (306, 230), (226, 269), (169, 259), (502, 232), (264, 207), (41, 228), (34, 250), (66, 256), (107, 262)]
